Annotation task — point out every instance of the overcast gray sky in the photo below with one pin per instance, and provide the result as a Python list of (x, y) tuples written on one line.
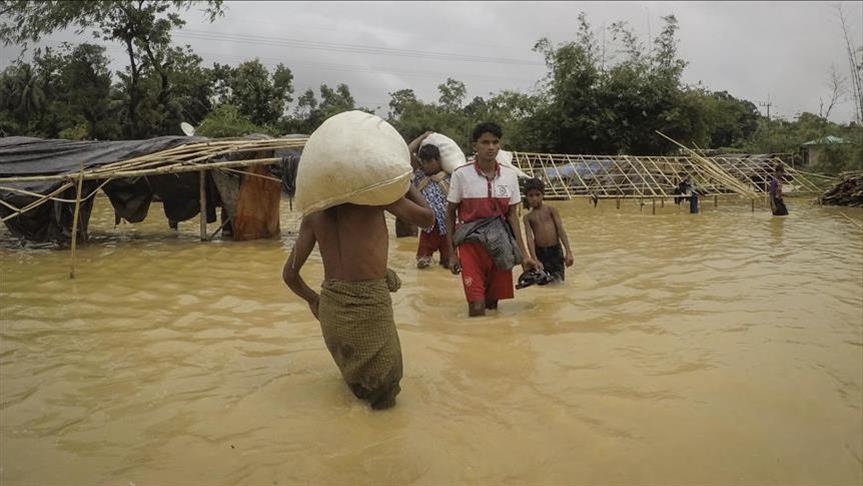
[(783, 51)]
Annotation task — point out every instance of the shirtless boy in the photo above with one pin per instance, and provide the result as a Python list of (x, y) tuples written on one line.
[(545, 232)]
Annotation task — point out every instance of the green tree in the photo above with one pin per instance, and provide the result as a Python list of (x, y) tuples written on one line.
[(86, 87), (192, 89), (142, 26), (257, 94), (452, 94), (400, 101), (310, 111), (23, 99), (226, 121)]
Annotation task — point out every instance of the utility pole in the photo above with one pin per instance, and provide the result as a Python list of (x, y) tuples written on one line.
[(767, 104)]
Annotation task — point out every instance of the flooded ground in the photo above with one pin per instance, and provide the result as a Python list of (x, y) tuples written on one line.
[(720, 348)]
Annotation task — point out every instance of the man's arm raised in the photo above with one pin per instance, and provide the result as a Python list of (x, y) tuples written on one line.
[(412, 208)]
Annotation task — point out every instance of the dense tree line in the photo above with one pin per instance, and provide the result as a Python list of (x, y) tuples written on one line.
[(589, 102)]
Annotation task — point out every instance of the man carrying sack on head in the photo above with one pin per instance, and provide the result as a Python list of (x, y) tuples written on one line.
[(348, 224)]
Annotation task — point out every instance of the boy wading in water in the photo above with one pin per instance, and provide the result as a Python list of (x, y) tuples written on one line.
[(545, 232), (431, 180), (484, 197), (354, 307)]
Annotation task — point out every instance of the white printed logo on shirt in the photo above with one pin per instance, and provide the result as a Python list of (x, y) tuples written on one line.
[(502, 191)]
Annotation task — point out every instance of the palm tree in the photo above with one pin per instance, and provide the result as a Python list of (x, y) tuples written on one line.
[(26, 94)]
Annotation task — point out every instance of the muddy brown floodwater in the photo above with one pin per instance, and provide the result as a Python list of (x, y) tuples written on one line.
[(720, 348)]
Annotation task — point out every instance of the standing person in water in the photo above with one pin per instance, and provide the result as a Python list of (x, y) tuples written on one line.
[(545, 233), (354, 307), (433, 182), (777, 203), (484, 198)]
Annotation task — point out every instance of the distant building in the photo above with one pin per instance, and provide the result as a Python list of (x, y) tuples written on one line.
[(813, 149)]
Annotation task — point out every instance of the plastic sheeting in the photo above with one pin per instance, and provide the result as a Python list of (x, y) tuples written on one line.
[(130, 197), (28, 156)]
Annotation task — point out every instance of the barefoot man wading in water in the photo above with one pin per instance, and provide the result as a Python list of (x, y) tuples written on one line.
[(354, 307), (484, 197)]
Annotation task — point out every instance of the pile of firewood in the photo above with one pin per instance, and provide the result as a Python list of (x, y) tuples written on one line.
[(848, 192)]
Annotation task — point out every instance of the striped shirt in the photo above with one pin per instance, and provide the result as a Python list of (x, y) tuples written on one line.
[(481, 197)]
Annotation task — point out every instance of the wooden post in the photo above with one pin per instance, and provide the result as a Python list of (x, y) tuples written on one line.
[(203, 184), (715, 200), (662, 203), (75, 221), (753, 205), (618, 203), (654, 204)]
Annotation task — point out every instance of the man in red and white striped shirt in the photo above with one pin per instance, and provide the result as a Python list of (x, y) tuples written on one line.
[(480, 190)]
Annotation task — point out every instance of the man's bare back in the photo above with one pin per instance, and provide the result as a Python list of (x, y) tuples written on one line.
[(542, 225), (353, 241)]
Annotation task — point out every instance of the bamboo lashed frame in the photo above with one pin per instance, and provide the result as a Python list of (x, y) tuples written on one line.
[(656, 177), (192, 157)]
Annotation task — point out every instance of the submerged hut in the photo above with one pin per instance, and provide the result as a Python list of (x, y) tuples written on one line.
[(44, 184)]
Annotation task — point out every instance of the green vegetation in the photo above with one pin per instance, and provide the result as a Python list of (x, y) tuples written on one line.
[(589, 102)]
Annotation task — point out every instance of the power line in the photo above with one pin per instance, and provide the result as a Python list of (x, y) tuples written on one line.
[(271, 63), (352, 68), (305, 26), (340, 47)]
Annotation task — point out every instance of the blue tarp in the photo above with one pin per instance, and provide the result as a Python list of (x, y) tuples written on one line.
[(583, 169)]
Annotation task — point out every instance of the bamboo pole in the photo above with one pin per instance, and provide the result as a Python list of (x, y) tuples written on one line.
[(575, 171), (712, 168), (252, 174), (220, 228), (613, 177), (38, 202), (75, 221), (721, 174), (647, 172), (202, 177), (653, 200), (43, 199), (13, 208), (560, 177), (170, 169), (625, 176), (31, 193)]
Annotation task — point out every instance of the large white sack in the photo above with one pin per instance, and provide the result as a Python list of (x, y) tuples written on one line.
[(451, 155), (505, 158), (353, 157)]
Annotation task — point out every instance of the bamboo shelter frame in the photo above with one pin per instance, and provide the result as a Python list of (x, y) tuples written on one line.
[(568, 176), (193, 157)]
